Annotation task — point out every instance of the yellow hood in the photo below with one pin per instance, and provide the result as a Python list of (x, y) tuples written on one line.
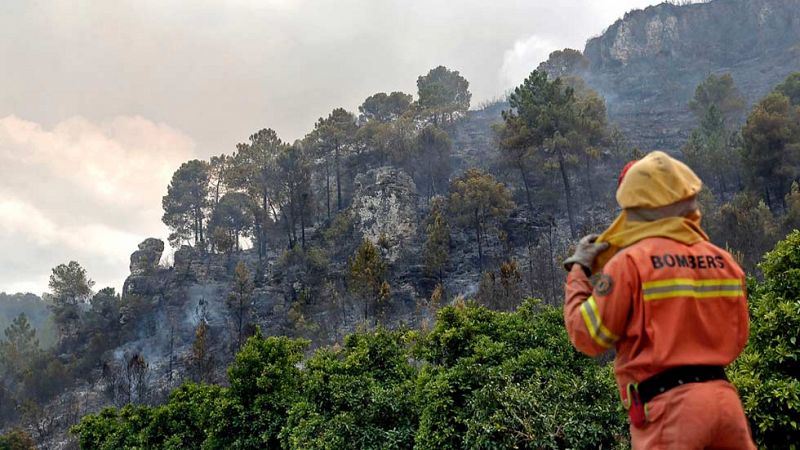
[(655, 181)]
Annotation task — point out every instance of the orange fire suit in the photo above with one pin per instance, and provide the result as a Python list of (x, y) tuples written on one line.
[(662, 304)]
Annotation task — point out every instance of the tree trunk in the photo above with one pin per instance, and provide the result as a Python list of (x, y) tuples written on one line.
[(241, 319), (592, 197), (568, 193), (480, 243), (328, 188), (289, 233), (769, 198), (262, 239), (338, 181), (303, 221), (527, 186), (551, 262), (366, 311), (259, 226)]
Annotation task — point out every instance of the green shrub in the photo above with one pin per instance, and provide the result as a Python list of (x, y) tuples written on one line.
[(113, 429), (264, 384), (356, 397), (17, 439), (480, 379), (512, 380), (767, 373)]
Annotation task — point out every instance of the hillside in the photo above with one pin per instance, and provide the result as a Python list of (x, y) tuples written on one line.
[(384, 233), (648, 63)]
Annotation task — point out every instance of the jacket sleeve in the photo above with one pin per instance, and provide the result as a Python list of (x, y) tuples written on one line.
[(596, 316)]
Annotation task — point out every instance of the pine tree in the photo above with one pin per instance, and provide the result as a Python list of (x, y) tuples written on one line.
[(437, 242), (239, 302), (478, 201), (368, 278)]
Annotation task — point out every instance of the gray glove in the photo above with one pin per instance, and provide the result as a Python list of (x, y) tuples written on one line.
[(585, 252)]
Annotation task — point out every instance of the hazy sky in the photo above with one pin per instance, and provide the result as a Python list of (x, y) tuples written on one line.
[(100, 101)]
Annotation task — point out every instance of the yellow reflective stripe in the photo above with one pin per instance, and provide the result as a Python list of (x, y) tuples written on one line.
[(687, 287), (591, 317), (693, 294), (591, 301), (692, 282)]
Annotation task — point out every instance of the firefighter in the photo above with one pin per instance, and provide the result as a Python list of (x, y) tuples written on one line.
[(671, 304)]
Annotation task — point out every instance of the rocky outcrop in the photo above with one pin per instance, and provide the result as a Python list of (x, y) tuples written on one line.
[(385, 208), (145, 260), (648, 63)]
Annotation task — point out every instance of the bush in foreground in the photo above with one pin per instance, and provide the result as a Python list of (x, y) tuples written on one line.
[(480, 379)]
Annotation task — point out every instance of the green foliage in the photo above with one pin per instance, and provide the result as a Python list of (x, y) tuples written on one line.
[(264, 384), (184, 420), (744, 224), (771, 145), (548, 124), (234, 216), (767, 373), (254, 170), (240, 301), (791, 88), (431, 166), (219, 170), (295, 192), (512, 380), (356, 397), (19, 357), (70, 286), (332, 140), (36, 310), (114, 429), (20, 343), (721, 93), (712, 151), (185, 202), (368, 278), (480, 379), (201, 360), (389, 142), (437, 239), (791, 221), (385, 108), (564, 62), (501, 289), (443, 95), (478, 201), (17, 440)]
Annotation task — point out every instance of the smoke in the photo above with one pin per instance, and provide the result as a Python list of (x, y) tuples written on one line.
[(522, 58), (81, 191)]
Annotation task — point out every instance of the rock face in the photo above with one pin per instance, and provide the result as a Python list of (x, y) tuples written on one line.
[(648, 64), (385, 208), (145, 260)]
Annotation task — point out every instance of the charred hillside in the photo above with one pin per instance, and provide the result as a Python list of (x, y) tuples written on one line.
[(417, 213), (648, 63)]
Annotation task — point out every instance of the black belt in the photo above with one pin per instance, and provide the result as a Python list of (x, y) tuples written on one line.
[(677, 376)]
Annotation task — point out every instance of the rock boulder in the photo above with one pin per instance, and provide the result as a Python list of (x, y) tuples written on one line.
[(145, 260)]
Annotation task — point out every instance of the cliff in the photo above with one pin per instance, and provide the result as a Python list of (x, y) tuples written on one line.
[(648, 63)]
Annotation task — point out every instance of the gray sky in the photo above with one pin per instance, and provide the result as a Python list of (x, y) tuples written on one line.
[(100, 101)]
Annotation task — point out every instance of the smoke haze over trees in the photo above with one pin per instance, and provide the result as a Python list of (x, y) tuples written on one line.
[(371, 283)]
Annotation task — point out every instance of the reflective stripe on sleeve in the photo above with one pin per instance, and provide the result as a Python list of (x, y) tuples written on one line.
[(599, 333), (687, 287)]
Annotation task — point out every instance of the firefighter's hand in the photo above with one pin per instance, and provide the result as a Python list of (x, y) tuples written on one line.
[(585, 252)]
